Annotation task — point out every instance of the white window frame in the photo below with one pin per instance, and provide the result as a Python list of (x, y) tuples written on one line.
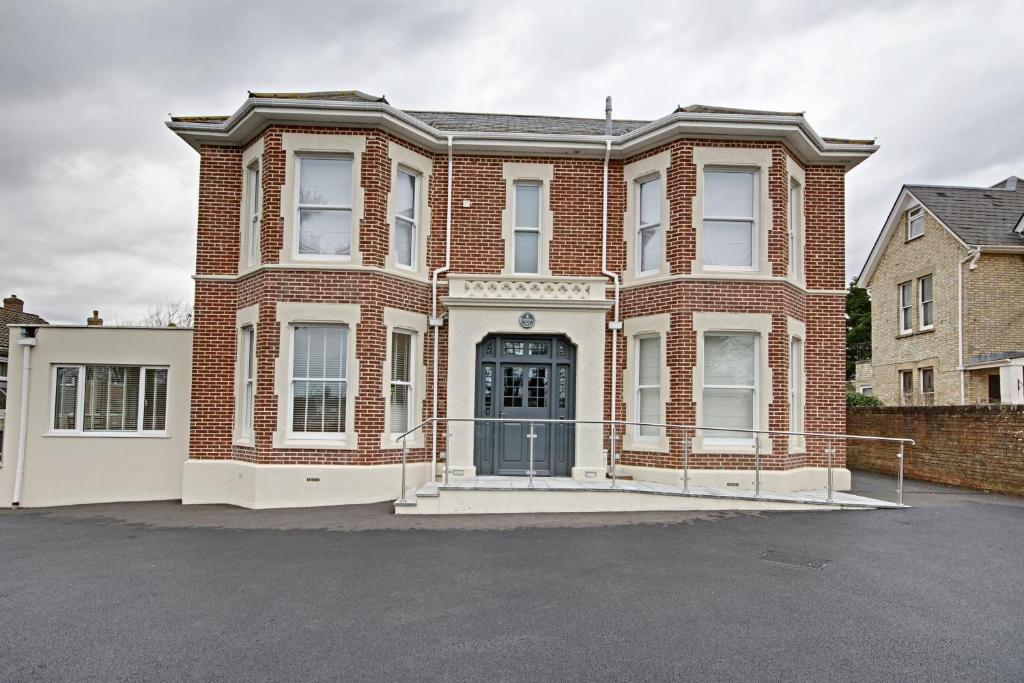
[(519, 229), (253, 200), (797, 390), (905, 307), (297, 241), (921, 301), (709, 437), (641, 227), (754, 220), (248, 381), (915, 214), (410, 384), (3, 383), (796, 231), (79, 430), (289, 416), (638, 430), (414, 222), (867, 390)]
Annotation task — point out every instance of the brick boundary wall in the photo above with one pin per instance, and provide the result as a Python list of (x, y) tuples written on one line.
[(977, 447)]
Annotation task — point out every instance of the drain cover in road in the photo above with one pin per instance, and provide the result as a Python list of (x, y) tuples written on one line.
[(795, 560)]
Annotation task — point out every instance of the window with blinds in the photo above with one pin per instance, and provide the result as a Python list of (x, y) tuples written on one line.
[(648, 385), (400, 406), (319, 384), (648, 228), (248, 358), (406, 218), (110, 399), (730, 219), (730, 386)]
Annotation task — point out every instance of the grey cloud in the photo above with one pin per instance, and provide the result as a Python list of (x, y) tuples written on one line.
[(98, 199)]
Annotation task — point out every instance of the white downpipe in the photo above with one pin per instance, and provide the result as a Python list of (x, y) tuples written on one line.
[(616, 324), (436, 321), (973, 257), (26, 344)]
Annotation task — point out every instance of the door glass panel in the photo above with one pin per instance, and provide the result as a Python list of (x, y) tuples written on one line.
[(563, 387), (488, 389), (513, 387), (537, 387), (537, 348), (515, 348)]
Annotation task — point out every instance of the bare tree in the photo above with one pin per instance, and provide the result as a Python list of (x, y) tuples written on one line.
[(168, 314)]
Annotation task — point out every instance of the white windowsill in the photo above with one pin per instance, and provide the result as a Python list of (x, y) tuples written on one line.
[(107, 435)]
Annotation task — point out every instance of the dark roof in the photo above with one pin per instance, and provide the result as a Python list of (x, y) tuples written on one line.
[(710, 109), (993, 357), (467, 122), (978, 215), (330, 95), (9, 317), (520, 123)]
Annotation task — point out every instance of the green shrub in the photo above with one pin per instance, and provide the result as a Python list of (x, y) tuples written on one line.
[(856, 399)]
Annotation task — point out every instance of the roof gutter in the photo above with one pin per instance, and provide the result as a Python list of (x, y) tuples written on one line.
[(256, 113)]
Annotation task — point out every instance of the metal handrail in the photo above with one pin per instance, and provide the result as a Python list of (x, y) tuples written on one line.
[(613, 437)]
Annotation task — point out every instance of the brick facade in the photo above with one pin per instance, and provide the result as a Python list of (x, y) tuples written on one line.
[(978, 447), (478, 248)]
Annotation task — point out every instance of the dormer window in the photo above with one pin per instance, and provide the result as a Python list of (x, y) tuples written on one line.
[(915, 223)]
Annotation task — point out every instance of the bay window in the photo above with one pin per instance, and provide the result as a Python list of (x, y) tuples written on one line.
[(253, 199), (730, 387), (796, 246), (406, 218), (648, 229), (526, 250), (729, 227), (110, 399), (325, 206), (648, 385), (318, 383), (248, 379), (401, 394), (796, 387)]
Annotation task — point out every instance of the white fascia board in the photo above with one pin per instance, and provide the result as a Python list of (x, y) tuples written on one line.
[(255, 114), (904, 201)]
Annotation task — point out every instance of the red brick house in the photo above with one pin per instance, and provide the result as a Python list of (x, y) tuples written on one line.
[(361, 268)]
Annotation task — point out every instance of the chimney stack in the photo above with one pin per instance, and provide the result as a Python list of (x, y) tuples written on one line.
[(13, 303), (95, 320)]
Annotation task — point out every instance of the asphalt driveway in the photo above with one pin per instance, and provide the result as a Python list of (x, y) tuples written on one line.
[(160, 592)]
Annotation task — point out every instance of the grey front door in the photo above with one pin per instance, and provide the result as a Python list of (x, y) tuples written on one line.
[(524, 378)]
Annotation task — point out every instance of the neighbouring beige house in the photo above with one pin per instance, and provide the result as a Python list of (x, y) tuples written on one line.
[(946, 278)]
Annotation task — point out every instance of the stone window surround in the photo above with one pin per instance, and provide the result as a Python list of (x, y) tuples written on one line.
[(544, 174), (252, 155), (296, 145), (406, 159), (634, 172), (798, 329), (289, 315), (244, 317), (634, 329), (416, 325), (737, 158), (756, 323), (796, 173)]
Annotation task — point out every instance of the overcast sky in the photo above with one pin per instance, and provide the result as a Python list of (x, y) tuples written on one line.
[(98, 198)]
